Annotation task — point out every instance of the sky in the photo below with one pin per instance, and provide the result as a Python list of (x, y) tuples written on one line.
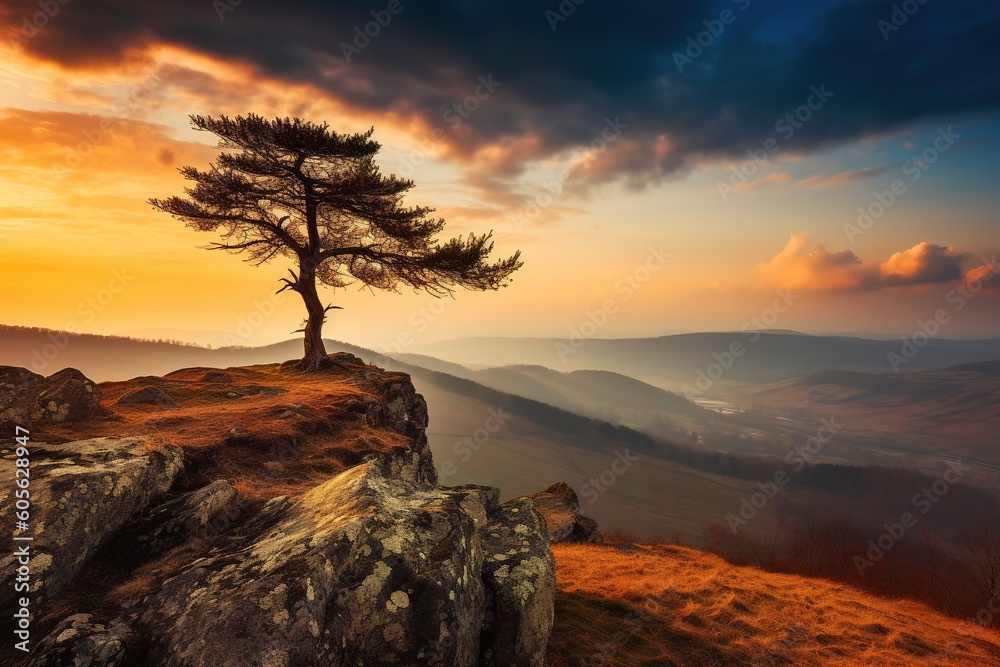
[(663, 167)]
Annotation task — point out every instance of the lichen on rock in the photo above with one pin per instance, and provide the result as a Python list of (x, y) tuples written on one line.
[(376, 565)]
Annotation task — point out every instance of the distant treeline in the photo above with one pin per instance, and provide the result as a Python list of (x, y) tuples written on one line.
[(556, 419), (111, 338), (876, 489)]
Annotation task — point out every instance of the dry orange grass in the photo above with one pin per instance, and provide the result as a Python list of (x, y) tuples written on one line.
[(284, 433), (669, 605)]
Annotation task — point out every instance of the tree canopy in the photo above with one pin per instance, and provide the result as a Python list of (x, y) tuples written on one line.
[(297, 189)]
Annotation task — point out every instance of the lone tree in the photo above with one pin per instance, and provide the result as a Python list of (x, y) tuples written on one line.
[(298, 189)]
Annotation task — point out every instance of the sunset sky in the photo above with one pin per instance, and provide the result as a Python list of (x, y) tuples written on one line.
[(629, 151)]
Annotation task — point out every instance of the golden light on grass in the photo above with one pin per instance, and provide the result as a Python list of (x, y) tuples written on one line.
[(670, 605), (280, 433)]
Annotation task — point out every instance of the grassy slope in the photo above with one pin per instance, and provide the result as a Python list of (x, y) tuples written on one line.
[(668, 605), (271, 431)]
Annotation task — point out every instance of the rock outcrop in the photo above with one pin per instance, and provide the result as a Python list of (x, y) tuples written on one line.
[(27, 398), (563, 517), (81, 494), (80, 641), (204, 513), (147, 396), (520, 584), (377, 565), (364, 569)]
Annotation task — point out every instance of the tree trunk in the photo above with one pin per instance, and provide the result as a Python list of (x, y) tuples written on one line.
[(315, 351)]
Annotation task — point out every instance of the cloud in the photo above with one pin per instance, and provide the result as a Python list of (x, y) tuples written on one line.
[(798, 266), (558, 87), (84, 176), (923, 263), (779, 177), (982, 276), (842, 178)]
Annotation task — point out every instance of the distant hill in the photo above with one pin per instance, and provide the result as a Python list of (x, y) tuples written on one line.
[(955, 411), (535, 443), (672, 489), (983, 368), (672, 361), (601, 394)]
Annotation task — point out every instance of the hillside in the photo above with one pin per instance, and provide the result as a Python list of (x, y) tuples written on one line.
[(257, 516), (934, 414), (535, 443), (667, 605), (672, 361), (249, 512), (668, 361), (602, 394), (675, 489)]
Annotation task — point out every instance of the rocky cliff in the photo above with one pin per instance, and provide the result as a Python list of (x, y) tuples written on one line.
[(262, 517)]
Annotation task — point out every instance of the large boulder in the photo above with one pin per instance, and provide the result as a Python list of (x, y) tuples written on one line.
[(147, 396), (27, 398), (366, 569), (81, 641), (199, 514), (81, 494), (377, 565), (520, 576), (563, 517)]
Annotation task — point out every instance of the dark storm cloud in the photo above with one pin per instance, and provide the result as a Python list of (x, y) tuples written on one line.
[(605, 60)]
